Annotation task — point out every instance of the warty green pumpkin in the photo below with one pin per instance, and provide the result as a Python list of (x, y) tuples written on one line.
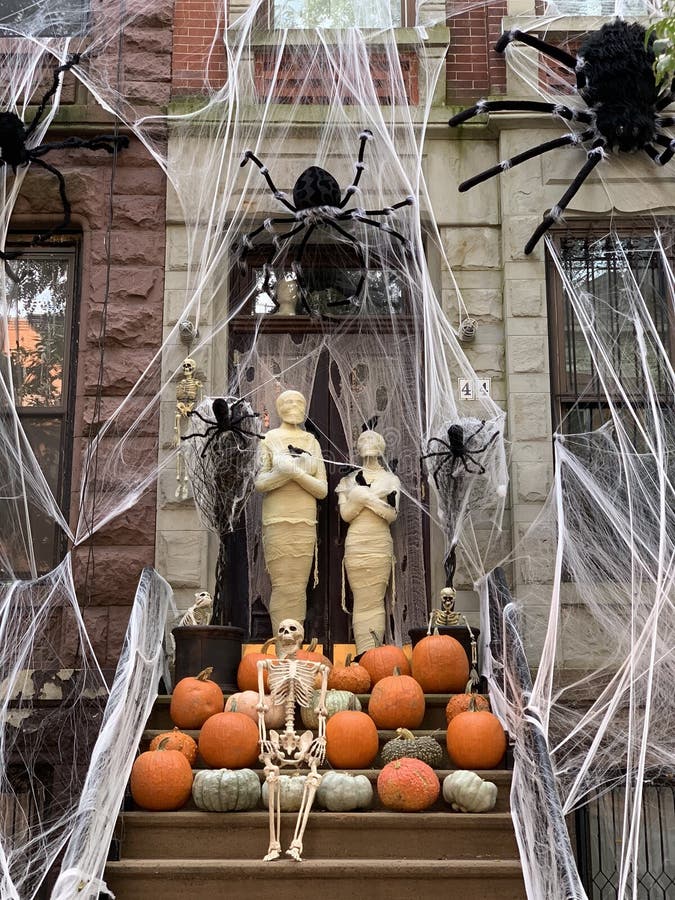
[(407, 745), (226, 790)]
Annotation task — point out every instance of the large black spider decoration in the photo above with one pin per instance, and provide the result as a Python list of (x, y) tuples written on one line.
[(457, 452), (318, 203), (615, 78), (229, 413), (15, 136)]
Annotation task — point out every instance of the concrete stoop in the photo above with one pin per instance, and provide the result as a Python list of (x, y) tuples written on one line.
[(394, 856)]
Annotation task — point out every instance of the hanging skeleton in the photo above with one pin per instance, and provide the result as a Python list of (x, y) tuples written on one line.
[(188, 394), (291, 682)]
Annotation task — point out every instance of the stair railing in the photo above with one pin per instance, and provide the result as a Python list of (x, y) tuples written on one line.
[(549, 866)]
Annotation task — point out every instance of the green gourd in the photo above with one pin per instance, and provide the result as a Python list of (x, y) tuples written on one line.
[(467, 792), (336, 701), (226, 790), (342, 792), (291, 788), (406, 745)]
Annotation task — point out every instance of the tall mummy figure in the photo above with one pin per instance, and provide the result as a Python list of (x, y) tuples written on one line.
[(291, 682)]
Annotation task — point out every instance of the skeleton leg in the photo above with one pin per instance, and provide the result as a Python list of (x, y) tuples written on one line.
[(274, 807), (311, 785)]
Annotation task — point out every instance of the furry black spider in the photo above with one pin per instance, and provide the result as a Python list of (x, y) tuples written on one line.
[(615, 78), (227, 419), (318, 203), (15, 135), (457, 451)]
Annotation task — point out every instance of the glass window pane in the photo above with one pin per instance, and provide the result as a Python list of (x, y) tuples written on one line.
[(35, 340), (44, 435), (598, 8), (336, 13), (45, 18)]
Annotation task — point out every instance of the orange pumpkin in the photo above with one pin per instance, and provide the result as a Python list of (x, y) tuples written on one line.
[(439, 664), (475, 739), (459, 703), (352, 741), (397, 701), (229, 740), (312, 655), (350, 677), (247, 673), (161, 779), (409, 785), (247, 702), (195, 699), (381, 662), (177, 740)]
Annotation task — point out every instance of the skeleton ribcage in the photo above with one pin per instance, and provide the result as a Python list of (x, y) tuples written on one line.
[(294, 679)]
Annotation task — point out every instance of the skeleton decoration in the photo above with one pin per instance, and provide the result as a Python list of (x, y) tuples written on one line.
[(200, 611), (447, 617), (188, 394), (291, 682)]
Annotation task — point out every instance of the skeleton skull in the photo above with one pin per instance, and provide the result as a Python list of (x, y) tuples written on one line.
[(447, 600), (189, 367), (203, 598), (289, 638)]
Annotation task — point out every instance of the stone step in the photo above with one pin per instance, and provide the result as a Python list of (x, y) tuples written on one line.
[(384, 736), (434, 716), (401, 879), (329, 835)]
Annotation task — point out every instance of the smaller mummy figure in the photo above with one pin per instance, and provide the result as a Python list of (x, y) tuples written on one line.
[(291, 682), (188, 395)]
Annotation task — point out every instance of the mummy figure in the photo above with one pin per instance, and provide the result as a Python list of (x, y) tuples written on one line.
[(291, 682)]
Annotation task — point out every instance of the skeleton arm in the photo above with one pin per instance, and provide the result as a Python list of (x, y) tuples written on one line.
[(321, 710), (262, 728)]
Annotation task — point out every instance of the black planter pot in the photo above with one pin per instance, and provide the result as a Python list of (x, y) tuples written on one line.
[(200, 646)]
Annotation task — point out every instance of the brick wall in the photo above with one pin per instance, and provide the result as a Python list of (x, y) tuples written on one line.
[(127, 254), (473, 69), (194, 52)]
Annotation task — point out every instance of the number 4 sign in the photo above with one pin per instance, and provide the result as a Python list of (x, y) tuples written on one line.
[(472, 389)]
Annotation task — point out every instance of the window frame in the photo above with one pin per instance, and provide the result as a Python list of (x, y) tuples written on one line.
[(265, 18), (563, 399), (77, 26), (63, 245)]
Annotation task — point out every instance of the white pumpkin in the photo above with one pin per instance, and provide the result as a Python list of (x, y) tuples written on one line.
[(336, 701), (226, 790), (247, 702), (467, 792), (291, 788), (342, 792)]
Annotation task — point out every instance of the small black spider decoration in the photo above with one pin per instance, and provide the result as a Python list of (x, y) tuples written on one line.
[(318, 202), (615, 78), (229, 413), (15, 136), (458, 454)]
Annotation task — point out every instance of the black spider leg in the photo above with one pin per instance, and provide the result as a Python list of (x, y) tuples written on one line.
[(213, 430), (365, 136), (450, 459), (39, 112), (595, 155), (296, 267), (666, 155), (245, 245), (206, 421), (487, 106), (347, 301), (235, 425), (447, 454), (280, 196), (383, 227), (39, 238), (111, 143), (523, 157), (556, 53)]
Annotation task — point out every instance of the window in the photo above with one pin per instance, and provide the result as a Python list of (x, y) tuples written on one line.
[(340, 13), (597, 8), (594, 263), (38, 345), (46, 19)]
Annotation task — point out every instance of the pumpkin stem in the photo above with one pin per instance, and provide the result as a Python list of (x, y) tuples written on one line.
[(472, 704), (396, 671), (405, 734), (233, 705), (162, 744), (376, 638), (205, 674), (348, 660), (312, 645), (436, 631), (266, 645)]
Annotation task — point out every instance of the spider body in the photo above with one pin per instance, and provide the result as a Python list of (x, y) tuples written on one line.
[(615, 79), (15, 152), (318, 202), (229, 413), (457, 451)]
